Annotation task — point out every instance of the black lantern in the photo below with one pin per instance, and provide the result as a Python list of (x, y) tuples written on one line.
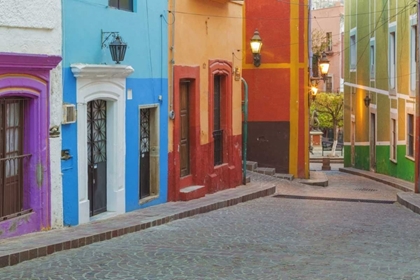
[(256, 44), (117, 48), (367, 100)]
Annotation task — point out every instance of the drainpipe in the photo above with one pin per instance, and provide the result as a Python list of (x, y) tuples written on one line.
[(244, 129), (417, 142), (171, 97)]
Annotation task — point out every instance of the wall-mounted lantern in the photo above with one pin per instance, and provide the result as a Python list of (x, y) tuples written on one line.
[(324, 67), (116, 47), (256, 44), (313, 92), (367, 100)]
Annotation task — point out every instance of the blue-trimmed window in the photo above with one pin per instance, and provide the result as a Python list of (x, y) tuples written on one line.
[(353, 49), (372, 59), (126, 5), (392, 57)]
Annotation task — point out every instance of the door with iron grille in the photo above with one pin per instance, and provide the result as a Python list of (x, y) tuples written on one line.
[(144, 153), (185, 131), (11, 156), (96, 132)]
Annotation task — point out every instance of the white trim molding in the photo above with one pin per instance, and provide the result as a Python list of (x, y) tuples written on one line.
[(107, 82)]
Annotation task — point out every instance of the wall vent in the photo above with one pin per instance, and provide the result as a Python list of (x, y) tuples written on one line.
[(69, 113)]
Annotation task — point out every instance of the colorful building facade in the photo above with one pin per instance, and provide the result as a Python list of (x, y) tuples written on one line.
[(278, 129), (380, 86), (30, 102), (205, 144), (327, 26), (115, 150)]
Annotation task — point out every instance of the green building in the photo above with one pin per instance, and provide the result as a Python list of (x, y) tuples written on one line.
[(380, 86)]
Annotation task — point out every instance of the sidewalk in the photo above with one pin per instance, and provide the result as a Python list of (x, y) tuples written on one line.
[(18, 249)]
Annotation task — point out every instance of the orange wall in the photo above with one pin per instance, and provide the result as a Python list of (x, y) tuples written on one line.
[(204, 30)]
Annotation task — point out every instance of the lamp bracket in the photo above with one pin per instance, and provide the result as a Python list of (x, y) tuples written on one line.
[(106, 35), (257, 59)]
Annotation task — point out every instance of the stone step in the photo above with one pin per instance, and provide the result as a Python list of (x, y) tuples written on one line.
[(289, 177), (251, 165), (266, 170), (192, 192), (248, 179)]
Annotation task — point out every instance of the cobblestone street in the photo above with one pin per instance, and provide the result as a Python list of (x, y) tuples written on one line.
[(267, 238)]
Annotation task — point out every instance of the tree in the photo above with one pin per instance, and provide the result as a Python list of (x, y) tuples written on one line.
[(330, 112)]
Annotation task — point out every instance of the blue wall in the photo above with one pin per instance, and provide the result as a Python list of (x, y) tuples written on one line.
[(145, 32)]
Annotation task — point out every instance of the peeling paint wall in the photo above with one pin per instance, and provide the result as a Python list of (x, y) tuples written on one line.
[(34, 27)]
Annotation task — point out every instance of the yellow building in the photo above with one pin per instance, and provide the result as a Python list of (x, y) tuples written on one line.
[(205, 141)]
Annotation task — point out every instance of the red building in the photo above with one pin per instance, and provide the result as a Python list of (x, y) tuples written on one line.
[(278, 130)]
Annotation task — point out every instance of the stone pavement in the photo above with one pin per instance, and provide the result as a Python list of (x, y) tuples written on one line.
[(267, 238), (19, 249), (342, 187)]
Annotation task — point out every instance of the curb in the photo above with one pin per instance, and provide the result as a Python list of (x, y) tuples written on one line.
[(387, 180), (334, 199), (41, 244), (410, 201)]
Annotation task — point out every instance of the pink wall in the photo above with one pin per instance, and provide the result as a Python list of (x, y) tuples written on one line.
[(328, 20)]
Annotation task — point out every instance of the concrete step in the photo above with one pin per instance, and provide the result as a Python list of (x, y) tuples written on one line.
[(289, 177), (248, 179), (332, 160), (251, 165), (266, 170), (192, 192), (316, 179)]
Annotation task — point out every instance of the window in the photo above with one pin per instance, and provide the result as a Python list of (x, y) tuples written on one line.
[(217, 125), (372, 59), (413, 59), (393, 144), (328, 84), (329, 42), (11, 156), (126, 5), (391, 61), (353, 52), (410, 135)]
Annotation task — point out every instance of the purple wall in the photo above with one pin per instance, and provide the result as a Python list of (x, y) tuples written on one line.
[(25, 75)]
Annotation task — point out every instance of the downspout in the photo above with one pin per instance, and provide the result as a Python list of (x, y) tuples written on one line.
[(417, 133), (310, 39), (244, 129), (171, 99)]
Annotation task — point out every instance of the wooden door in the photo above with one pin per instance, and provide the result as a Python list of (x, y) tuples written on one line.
[(372, 142), (97, 174), (11, 156), (185, 129)]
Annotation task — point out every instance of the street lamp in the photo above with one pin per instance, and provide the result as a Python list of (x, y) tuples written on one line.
[(116, 47), (314, 91), (256, 44), (367, 100), (324, 66)]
